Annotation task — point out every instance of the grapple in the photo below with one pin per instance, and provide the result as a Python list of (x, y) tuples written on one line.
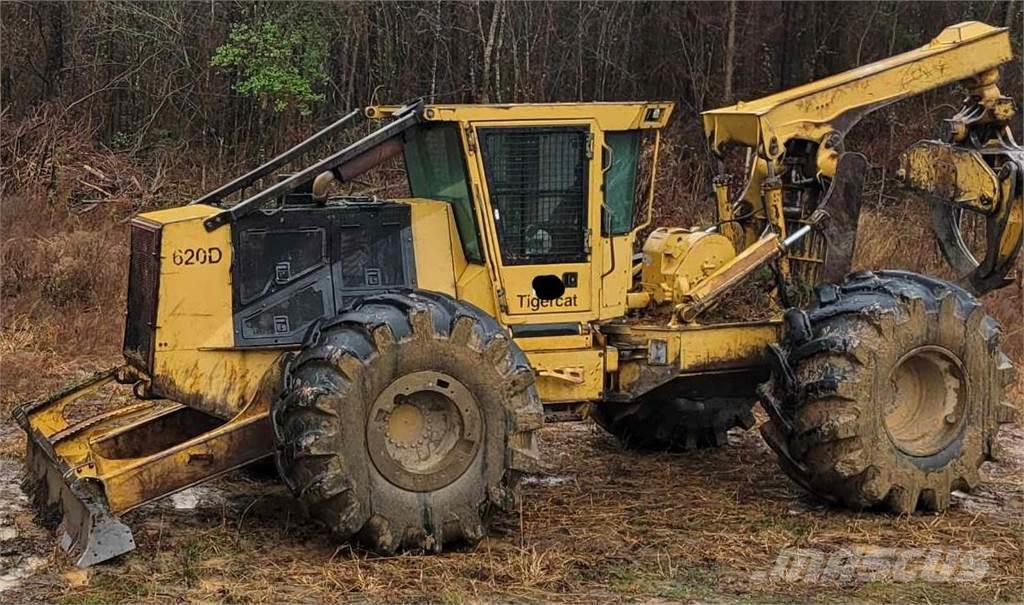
[(88, 472), (977, 193)]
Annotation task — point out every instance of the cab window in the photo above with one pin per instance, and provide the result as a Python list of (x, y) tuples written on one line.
[(436, 170), (620, 181), (537, 179)]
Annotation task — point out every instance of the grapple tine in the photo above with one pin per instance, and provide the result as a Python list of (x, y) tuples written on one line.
[(842, 204)]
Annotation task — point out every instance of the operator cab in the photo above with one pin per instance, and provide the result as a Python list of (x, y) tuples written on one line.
[(549, 197)]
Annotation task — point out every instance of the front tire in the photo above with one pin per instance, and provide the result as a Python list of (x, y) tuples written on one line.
[(888, 392), (405, 421)]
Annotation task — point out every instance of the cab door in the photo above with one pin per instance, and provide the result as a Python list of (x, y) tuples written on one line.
[(539, 216)]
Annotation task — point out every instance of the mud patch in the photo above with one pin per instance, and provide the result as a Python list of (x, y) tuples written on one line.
[(1000, 496), (15, 563), (15, 568), (195, 497)]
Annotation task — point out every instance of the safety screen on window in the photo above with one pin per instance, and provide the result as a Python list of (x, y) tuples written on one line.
[(537, 179)]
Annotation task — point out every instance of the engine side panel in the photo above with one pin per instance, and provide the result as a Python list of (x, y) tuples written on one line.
[(305, 262)]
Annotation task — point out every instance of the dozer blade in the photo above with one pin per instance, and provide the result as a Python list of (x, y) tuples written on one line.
[(88, 532), (88, 472)]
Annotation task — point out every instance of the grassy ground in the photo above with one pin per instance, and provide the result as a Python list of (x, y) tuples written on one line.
[(602, 525)]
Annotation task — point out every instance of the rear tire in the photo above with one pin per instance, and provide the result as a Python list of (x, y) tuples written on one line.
[(405, 420), (888, 392), (679, 416)]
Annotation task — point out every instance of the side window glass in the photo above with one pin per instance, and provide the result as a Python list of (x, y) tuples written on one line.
[(620, 181), (436, 169)]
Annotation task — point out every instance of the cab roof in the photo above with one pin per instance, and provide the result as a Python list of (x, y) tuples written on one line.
[(608, 115)]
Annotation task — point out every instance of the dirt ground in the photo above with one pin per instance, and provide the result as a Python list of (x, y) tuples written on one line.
[(601, 525)]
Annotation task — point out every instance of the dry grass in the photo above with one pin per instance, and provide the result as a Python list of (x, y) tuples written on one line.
[(614, 526), (900, 237)]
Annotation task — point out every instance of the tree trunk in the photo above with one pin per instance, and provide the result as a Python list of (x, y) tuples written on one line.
[(730, 53), (54, 48), (485, 80)]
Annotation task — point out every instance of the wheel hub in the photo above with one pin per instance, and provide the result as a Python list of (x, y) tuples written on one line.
[(407, 426), (929, 404), (424, 430)]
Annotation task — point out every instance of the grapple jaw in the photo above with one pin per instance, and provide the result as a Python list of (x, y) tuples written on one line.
[(978, 206), (82, 475)]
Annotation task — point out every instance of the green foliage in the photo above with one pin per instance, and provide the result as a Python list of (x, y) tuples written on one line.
[(278, 63), (121, 140)]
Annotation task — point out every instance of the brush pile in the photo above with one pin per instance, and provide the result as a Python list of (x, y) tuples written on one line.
[(58, 155)]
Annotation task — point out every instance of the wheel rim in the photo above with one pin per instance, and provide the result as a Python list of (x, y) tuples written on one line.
[(928, 408), (424, 431)]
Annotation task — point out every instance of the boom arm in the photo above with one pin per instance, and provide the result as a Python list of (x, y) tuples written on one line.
[(832, 106), (794, 142)]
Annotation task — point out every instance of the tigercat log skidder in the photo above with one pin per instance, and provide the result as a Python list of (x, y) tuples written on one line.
[(395, 357)]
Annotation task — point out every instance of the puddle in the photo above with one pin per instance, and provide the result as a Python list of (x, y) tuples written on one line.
[(194, 497), (547, 480), (15, 568), (1001, 494), (14, 564)]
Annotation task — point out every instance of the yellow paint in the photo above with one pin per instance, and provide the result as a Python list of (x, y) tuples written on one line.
[(179, 214), (218, 382), (568, 375), (608, 116), (475, 286), (516, 281), (962, 177), (726, 216), (676, 260), (821, 112), (195, 361), (617, 274), (194, 324), (695, 349), (611, 360), (810, 111), (569, 341), (194, 304), (433, 228), (956, 175), (1009, 244)]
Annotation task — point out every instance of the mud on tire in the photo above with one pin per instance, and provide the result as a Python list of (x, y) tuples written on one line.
[(887, 392), (404, 421)]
